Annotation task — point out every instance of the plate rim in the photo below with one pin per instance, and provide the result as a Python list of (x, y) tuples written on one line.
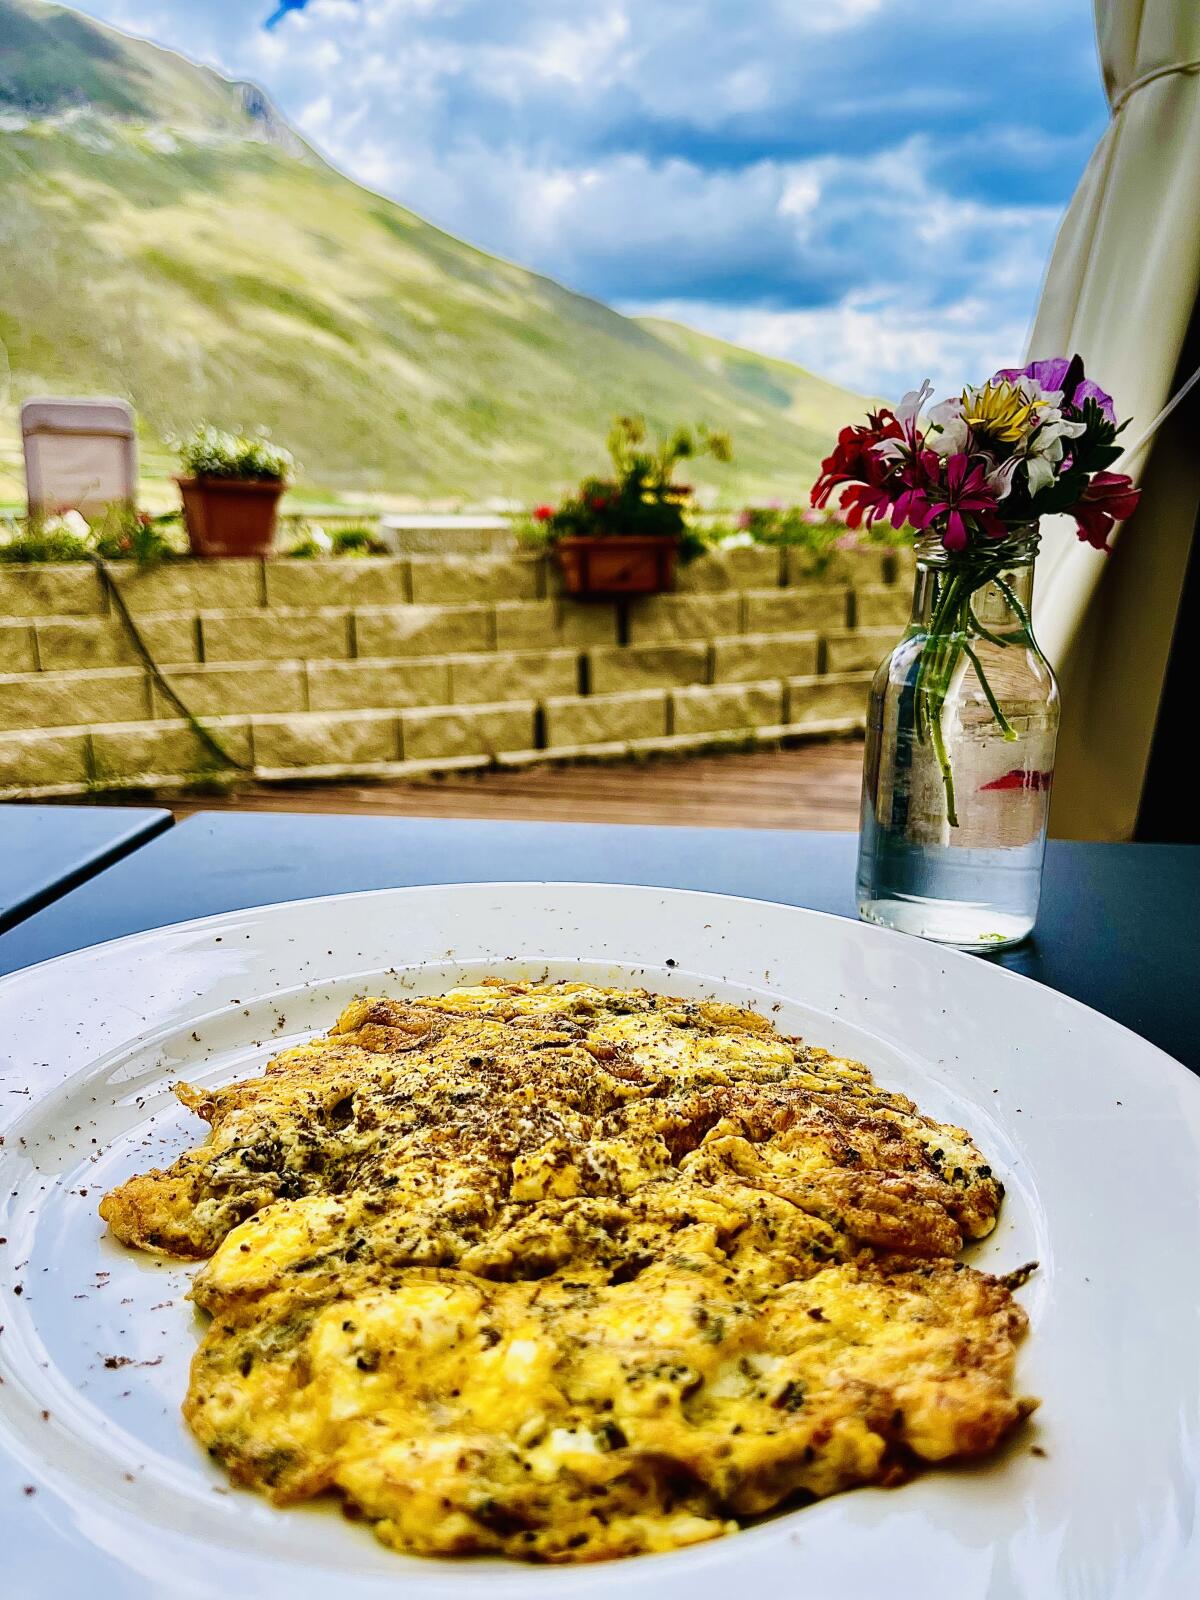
[(873, 931)]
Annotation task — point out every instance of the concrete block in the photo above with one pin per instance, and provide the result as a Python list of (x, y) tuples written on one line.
[(43, 761), (806, 567), (103, 642), (74, 699), (51, 589), (229, 689), (275, 635), (795, 610), (18, 652), (858, 650), (757, 657), (743, 567), (422, 630), (467, 731), (903, 565), (187, 586), (448, 581), (667, 618), (603, 718), (166, 749), (711, 707), (513, 675), (328, 738), (870, 564), (647, 666), (371, 581), (356, 685), (554, 624), (880, 605), (828, 697)]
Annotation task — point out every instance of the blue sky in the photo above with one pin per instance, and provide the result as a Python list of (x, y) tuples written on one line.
[(868, 187)]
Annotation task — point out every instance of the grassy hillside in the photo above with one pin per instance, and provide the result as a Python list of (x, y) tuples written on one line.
[(812, 403), (166, 237)]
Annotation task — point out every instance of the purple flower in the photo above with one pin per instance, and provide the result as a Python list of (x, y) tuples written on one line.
[(1052, 374), (1088, 390)]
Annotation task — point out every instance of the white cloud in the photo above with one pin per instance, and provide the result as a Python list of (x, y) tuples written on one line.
[(876, 344)]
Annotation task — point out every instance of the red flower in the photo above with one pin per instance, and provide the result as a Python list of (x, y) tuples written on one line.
[(1018, 778), (597, 502), (867, 502), (542, 513), (1109, 498), (854, 459)]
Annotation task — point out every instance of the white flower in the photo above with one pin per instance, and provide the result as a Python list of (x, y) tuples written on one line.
[(909, 408), (1043, 450), (1000, 477), (948, 432)]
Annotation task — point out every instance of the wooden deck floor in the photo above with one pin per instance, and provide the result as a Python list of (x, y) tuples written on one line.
[(811, 786)]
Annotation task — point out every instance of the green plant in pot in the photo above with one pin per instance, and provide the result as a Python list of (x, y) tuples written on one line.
[(622, 535), (231, 485)]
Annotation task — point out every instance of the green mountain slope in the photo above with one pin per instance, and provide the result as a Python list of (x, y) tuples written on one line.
[(810, 402), (166, 236)]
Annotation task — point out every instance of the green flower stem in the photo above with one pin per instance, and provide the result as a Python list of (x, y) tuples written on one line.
[(1006, 727), (1022, 615), (952, 626), (936, 633), (933, 685), (985, 633)]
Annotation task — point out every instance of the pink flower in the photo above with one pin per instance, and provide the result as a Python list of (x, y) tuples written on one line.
[(966, 495), (918, 475), (1108, 499)]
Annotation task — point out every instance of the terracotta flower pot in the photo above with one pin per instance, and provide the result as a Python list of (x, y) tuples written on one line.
[(229, 516), (595, 567)]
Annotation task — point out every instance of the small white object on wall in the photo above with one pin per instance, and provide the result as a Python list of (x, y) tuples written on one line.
[(79, 454)]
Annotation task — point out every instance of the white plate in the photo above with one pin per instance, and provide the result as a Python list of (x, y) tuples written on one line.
[(1095, 1132)]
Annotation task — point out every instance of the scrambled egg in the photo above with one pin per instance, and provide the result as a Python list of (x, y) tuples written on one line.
[(568, 1273)]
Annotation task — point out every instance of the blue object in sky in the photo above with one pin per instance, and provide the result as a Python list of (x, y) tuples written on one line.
[(282, 10)]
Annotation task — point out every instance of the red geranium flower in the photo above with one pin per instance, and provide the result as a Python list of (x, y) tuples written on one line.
[(543, 513), (1109, 498), (854, 459), (967, 495), (918, 475)]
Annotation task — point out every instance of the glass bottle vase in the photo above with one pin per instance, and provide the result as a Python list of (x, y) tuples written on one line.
[(961, 731)]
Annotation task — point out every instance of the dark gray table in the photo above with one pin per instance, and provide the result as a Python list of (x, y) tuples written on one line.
[(1117, 931), (47, 850)]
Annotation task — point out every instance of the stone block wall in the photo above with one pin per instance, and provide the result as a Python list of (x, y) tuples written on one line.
[(389, 667)]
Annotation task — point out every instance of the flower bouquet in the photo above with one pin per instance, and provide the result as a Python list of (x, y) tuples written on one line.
[(977, 472), (964, 712)]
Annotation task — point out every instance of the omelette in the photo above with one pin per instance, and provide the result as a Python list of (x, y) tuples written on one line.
[(564, 1273)]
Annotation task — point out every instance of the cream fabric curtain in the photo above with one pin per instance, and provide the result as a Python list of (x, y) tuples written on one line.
[(1122, 289)]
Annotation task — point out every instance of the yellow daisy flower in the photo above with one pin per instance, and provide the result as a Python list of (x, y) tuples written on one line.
[(999, 410)]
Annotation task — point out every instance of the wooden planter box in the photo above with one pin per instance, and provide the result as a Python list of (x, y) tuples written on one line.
[(228, 516), (595, 568)]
